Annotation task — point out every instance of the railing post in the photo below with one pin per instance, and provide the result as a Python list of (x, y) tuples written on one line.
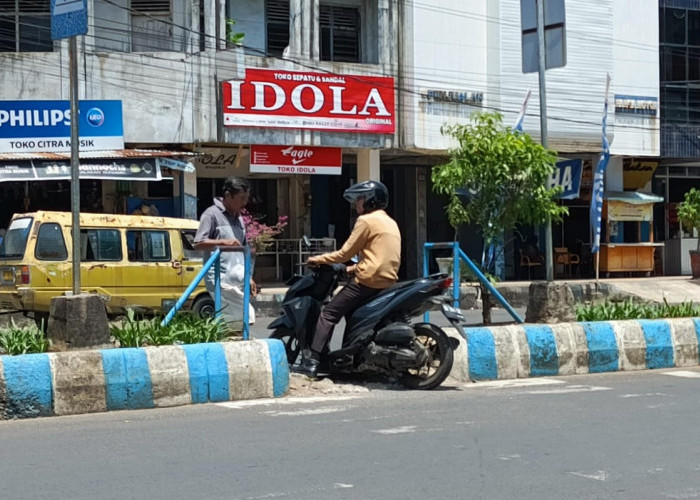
[(217, 285), (246, 291), (426, 267), (188, 291), (456, 276)]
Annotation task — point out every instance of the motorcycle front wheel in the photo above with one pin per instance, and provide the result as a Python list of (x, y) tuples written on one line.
[(291, 344), (440, 359)]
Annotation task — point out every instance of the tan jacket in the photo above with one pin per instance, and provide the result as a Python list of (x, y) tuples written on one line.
[(376, 238)]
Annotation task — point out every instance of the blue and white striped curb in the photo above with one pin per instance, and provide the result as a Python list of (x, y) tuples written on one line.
[(520, 351), (69, 383)]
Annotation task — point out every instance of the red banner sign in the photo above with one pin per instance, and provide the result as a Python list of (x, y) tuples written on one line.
[(296, 160), (318, 101)]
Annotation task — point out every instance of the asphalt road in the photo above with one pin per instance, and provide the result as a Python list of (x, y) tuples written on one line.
[(623, 436)]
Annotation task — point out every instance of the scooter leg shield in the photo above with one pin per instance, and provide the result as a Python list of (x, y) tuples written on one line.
[(304, 312)]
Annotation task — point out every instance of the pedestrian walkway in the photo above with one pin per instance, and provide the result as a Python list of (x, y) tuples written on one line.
[(673, 289)]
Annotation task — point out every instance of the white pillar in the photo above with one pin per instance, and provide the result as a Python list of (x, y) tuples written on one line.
[(368, 165)]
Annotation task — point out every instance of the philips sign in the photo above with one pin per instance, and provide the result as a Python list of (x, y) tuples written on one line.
[(44, 126)]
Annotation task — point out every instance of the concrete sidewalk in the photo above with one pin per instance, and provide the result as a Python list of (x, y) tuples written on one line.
[(673, 289)]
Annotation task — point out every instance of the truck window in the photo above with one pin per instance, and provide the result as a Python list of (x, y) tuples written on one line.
[(50, 244), (188, 245), (15, 241), (148, 246), (100, 245)]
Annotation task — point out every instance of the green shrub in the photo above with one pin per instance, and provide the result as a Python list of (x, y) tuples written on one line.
[(185, 328), (25, 339), (630, 309)]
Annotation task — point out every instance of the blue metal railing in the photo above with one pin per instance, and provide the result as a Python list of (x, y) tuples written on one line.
[(457, 256), (215, 260)]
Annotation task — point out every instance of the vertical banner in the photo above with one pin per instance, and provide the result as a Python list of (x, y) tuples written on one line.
[(521, 115), (599, 180)]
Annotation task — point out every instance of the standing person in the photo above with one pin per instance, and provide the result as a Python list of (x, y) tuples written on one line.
[(222, 225), (377, 240)]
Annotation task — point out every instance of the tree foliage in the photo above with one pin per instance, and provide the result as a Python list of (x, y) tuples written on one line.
[(689, 211), (496, 178)]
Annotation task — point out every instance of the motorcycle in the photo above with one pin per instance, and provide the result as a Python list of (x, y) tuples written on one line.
[(379, 336)]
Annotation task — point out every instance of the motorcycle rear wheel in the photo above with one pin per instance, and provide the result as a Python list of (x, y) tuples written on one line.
[(291, 344), (440, 359)]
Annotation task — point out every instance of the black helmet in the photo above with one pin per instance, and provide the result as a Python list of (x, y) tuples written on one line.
[(374, 193)]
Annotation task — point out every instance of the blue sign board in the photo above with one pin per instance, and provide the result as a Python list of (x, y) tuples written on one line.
[(44, 126), (568, 176), (68, 18)]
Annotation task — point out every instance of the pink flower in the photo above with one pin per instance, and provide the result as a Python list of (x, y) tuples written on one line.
[(260, 235)]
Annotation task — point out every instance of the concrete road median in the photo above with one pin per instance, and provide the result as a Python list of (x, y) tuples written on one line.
[(68, 383), (520, 351)]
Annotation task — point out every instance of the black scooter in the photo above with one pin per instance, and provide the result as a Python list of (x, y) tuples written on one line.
[(379, 336)]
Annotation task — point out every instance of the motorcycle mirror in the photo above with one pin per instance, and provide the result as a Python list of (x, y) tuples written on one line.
[(307, 241)]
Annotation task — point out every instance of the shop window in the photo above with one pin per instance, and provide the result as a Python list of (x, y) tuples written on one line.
[(340, 33), (148, 246), (25, 26), (674, 26), (276, 27), (675, 104), (50, 244), (102, 245), (151, 26)]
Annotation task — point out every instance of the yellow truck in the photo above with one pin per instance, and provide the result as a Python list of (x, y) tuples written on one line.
[(132, 261)]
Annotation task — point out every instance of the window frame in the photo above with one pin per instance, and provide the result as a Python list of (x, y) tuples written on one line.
[(332, 27), (38, 240), (168, 248), (85, 231), (279, 25), (18, 16)]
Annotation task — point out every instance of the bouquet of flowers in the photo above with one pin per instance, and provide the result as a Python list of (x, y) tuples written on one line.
[(258, 234)]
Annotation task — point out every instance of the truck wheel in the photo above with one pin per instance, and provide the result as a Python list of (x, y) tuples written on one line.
[(203, 307)]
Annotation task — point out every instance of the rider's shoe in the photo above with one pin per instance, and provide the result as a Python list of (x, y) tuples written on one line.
[(309, 364)]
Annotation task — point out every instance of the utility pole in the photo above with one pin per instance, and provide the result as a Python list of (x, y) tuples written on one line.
[(549, 255), (74, 163)]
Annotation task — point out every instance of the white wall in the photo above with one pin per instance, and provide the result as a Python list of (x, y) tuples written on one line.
[(636, 55), (448, 53)]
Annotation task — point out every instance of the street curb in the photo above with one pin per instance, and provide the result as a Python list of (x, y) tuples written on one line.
[(70, 383), (521, 351)]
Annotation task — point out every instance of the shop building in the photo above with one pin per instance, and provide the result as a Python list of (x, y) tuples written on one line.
[(679, 167), (375, 79), (482, 71)]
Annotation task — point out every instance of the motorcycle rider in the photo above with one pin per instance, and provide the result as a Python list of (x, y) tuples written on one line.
[(377, 240)]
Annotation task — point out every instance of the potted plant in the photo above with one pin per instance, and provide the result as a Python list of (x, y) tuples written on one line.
[(689, 215)]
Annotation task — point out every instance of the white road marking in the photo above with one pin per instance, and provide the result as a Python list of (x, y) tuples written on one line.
[(312, 411), (689, 493), (301, 493), (600, 475), (237, 405), (683, 374), (397, 430), (510, 383), (571, 389), (644, 395), (509, 457)]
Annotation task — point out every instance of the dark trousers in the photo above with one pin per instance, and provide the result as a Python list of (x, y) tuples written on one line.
[(349, 298)]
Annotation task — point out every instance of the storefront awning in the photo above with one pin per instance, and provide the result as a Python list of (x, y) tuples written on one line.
[(122, 164), (632, 197)]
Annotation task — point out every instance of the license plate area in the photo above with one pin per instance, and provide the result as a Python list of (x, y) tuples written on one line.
[(7, 275), (452, 313)]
